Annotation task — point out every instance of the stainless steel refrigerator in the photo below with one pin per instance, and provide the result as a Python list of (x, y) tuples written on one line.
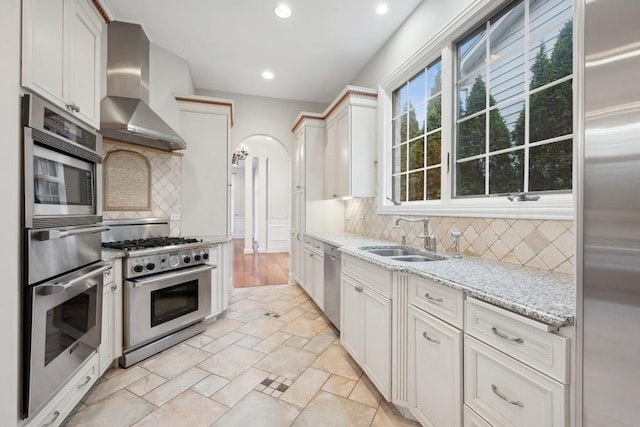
[(609, 183)]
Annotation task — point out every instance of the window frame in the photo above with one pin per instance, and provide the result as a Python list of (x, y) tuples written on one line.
[(443, 45)]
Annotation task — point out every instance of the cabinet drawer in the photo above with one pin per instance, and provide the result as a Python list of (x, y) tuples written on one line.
[(471, 419), (508, 393), (61, 405), (377, 278), (313, 245), (524, 339), (107, 277), (445, 303)]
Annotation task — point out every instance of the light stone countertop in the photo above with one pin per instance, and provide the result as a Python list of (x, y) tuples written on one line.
[(109, 254), (538, 294)]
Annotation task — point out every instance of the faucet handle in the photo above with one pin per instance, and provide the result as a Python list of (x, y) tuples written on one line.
[(456, 234)]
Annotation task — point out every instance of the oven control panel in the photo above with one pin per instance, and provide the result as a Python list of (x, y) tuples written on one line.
[(158, 263)]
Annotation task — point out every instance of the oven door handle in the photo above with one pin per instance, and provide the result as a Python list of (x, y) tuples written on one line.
[(59, 234), (58, 287), (158, 277)]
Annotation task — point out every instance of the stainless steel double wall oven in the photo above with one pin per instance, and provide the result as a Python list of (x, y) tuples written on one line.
[(62, 274)]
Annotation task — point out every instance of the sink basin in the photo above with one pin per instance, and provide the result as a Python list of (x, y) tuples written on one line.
[(393, 252), (402, 253)]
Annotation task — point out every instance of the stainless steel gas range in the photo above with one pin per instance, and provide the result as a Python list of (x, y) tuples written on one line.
[(167, 286)]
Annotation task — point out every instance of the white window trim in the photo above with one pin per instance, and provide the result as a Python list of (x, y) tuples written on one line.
[(549, 206)]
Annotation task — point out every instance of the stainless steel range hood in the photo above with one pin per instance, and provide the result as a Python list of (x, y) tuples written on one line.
[(125, 114)]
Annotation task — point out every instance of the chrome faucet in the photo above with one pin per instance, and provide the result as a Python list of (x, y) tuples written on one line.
[(429, 240)]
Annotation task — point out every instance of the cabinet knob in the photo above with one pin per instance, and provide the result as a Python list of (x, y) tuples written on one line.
[(77, 108), (56, 414), (114, 287), (334, 196)]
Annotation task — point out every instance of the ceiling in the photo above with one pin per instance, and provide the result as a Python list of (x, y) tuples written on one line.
[(229, 43)]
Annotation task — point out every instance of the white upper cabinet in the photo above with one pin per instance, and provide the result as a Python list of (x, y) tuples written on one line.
[(309, 168), (350, 151), (61, 55)]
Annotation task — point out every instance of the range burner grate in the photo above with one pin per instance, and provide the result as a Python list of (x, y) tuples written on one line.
[(154, 242)]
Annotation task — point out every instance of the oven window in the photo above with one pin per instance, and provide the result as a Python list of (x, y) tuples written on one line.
[(69, 321), (173, 302), (56, 183)]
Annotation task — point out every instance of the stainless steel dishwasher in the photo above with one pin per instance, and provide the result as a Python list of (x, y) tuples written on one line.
[(332, 284)]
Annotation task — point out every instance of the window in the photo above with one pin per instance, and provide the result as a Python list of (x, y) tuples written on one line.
[(514, 115), (417, 137)]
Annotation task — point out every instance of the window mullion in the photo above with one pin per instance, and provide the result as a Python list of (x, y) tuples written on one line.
[(449, 102), (527, 77), (487, 103)]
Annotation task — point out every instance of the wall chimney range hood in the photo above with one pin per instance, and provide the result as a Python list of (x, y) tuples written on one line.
[(125, 114)]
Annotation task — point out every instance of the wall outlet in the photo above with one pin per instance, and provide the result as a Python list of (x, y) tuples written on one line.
[(175, 216)]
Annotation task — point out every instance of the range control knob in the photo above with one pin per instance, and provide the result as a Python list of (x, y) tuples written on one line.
[(205, 256), (174, 261), (186, 259), (197, 257), (138, 268), (151, 266)]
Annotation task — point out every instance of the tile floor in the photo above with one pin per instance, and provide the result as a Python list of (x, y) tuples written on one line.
[(271, 360)]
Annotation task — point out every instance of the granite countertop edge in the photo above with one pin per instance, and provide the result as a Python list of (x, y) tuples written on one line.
[(560, 284)]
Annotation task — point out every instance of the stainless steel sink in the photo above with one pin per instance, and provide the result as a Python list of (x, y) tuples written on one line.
[(401, 253), (392, 252)]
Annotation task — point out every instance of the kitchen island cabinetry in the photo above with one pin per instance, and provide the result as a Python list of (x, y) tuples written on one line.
[(61, 55), (351, 143)]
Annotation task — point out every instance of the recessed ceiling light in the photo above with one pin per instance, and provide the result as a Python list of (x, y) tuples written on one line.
[(283, 11), (382, 9), (267, 75)]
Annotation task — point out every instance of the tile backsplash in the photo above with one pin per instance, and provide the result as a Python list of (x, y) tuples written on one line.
[(544, 244), (165, 184)]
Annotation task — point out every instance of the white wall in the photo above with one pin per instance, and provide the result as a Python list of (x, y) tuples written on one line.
[(425, 21), (168, 74), (257, 115), (238, 202), (10, 223)]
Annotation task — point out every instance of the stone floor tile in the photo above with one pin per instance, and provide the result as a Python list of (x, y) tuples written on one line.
[(366, 393), (245, 305), (270, 343), (305, 387), (305, 328), (233, 392), (108, 387), (388, 416), (199, 340), (320, 342), (248, 341), (339, 385), (210, 385), (259, 410), (221, 327), (329, 410), (286, 361), (231, 362), (175, 360), (186, 409), (336, 360), (261, 327), (291, 315), (223, 342), (122, 408), (167, 391), (146, 384), (296, 341)]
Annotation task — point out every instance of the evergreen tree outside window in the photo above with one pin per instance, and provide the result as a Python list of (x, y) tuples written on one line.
[(416, 137), (514, 115)]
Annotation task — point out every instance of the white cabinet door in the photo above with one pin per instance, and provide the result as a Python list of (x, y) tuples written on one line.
[(309, 275), (61, 55), (85, 59), (377, 339), (318, 280), (351, 317), (344, 154), (106, 344), (331, 161), (216, 280), (435, 370)]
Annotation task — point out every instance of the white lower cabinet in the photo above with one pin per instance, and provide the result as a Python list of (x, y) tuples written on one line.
[(313, 277), (111, 338), (365, 330), (435, 370), (61, 405), (506, 392)]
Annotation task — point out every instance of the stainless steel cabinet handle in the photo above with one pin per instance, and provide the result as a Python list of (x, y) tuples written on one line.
[(332, 257), (57, 287), (334, 196), (506, 337), (433, 340), (56, 414), (502, 396), (114, 287), (77, 108), (311, 255), (359, 289), (432, 299), (85, 382), (298, 236)]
